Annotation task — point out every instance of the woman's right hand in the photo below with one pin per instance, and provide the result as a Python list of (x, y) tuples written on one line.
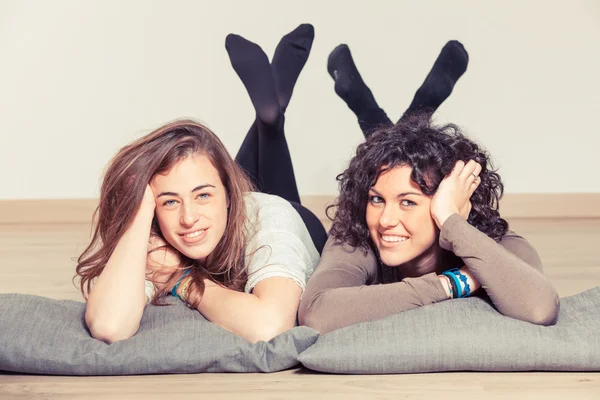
[(148, 201), (454, 192)]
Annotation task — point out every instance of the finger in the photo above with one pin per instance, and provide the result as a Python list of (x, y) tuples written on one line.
[(468, 170), (474, 185), (477, 169), (458, 168)]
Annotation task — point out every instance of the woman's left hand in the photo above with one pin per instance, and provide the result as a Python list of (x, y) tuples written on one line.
[(454, 193)]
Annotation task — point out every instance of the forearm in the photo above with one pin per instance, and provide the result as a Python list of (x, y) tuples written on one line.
[(117, 299), (515, 284), (244, 314), (333, 308)]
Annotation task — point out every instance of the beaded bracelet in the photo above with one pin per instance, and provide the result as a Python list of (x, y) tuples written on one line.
[(174, 291), (184, 288), (464, 280), (460, 280), (450, 286)]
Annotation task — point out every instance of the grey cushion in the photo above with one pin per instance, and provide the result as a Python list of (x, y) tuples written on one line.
[(464, 335), (45, 336)]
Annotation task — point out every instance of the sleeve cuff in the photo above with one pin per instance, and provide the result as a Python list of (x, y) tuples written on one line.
[(251, 284)]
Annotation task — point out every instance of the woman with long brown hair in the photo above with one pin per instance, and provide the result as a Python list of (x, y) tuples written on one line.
[(178, 216)]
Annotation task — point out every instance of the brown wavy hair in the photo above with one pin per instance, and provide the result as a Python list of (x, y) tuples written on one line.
[(431, 151), (123, 186)]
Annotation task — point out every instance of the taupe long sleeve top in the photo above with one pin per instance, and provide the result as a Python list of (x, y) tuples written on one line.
[(346, 287)]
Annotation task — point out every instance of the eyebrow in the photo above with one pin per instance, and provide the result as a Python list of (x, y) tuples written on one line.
[(399, 195), (200, 187)]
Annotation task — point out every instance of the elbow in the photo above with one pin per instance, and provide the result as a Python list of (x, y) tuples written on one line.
[(547, 315), (312, 321), (544, 313), (308, 315), (106, 330), (267, 330)]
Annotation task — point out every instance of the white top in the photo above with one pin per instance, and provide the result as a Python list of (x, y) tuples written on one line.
[(278, 243)]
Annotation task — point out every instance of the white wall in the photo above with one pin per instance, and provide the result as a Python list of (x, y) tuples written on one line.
[(79, 79)]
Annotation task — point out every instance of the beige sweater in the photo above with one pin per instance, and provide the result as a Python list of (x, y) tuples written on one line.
[(346, 287)]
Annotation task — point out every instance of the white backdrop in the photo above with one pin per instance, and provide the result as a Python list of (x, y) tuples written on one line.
[(79, 79)]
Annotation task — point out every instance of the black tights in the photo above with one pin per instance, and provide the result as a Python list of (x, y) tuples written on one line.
[(349, 85), (264, 153)]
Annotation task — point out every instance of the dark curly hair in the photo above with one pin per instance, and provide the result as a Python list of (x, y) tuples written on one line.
[(431, 151)]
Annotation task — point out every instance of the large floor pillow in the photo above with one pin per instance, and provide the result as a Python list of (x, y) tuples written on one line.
[(464, 335), (44, 336)]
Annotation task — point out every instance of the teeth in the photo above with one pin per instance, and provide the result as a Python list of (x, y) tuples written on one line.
[(393, 238), (194, 234)]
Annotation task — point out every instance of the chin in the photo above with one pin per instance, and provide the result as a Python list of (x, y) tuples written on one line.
[(198, 252), (393, 261), (195, 254)]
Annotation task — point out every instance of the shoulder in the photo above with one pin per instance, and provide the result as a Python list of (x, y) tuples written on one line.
[(267, 211), (257, 200), (279, 243)]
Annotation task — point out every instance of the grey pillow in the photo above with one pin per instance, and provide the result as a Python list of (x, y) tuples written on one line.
[(464, 335), (45, 336)]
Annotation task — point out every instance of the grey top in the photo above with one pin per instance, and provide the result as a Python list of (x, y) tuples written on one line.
[(346, 286)]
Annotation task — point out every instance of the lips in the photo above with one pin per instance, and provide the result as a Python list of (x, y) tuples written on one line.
[(194, 236)]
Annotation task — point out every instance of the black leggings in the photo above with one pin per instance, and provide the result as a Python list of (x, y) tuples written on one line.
[(449, 66), (275, 175), (264, 153)]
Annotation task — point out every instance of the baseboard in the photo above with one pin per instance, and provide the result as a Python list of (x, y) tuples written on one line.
[(518, 205)]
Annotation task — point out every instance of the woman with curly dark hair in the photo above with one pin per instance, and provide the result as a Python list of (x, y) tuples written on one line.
[(417, 223)]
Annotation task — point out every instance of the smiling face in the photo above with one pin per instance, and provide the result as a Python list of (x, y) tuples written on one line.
[(400, 223), (191, 206)]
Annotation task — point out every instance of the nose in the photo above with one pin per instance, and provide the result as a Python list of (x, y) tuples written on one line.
[(189, 215), (390, 217)]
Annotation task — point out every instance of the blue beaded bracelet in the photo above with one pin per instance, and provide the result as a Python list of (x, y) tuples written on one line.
[(174, 291), (456, 283), (458, 277), (463, 278)]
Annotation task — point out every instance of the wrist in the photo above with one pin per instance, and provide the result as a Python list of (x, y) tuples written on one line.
[(473, 282), (440, 218), (462, 285), (176, 289), (445, 281), (143, 218), (183, 290), (146, 211)]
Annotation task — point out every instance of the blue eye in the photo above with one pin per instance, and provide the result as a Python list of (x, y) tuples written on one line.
[(203, 196), (408, 203), (375, 199), (169, 203)]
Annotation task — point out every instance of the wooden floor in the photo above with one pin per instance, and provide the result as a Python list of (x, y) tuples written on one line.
[(39, 259)]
